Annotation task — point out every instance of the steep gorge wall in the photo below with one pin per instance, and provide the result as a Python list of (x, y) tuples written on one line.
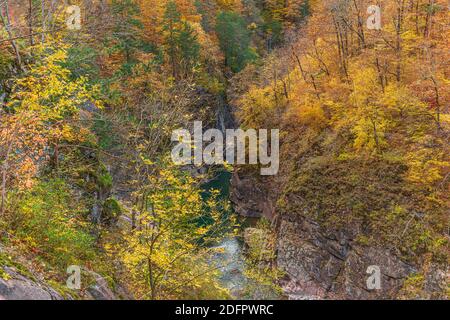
[(321, 263)]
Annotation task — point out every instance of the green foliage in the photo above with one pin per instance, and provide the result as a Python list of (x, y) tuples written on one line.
[(234, 40), (81, 61), (260, 261), (180, 41), (50, 222), (5, 65), (305, 9), (103, 130), (64, 291), (126, 36), (103, 178), (166, 255), (111, 210), (413, 286), (7, 260)]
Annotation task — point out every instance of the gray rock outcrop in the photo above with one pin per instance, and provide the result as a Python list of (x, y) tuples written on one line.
[(18, 287)]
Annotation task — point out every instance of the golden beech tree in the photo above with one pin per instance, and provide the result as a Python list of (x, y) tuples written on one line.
[(21, 151), (362, 113), (166, 253), (44, 105), (152, 16), (343, 93)]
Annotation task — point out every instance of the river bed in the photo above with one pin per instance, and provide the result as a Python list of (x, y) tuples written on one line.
[(230, 253)]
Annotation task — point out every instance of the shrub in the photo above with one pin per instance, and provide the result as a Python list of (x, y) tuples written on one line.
[(50, 223)]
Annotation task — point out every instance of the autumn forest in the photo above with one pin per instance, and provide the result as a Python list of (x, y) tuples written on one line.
[(93, 207)]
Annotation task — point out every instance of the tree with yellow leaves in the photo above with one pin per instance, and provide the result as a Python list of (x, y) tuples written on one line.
[(48, 92), (168, 254)]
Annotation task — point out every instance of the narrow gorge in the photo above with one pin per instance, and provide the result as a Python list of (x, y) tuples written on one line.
[(119, 178)]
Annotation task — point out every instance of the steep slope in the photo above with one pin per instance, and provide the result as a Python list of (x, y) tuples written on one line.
[(364, 167)]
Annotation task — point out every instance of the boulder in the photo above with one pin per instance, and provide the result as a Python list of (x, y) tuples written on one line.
[(18, 287), (100, 290), (249, 198), (324, 264)]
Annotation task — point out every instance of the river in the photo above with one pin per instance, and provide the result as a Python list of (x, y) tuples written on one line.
[(230, 254)]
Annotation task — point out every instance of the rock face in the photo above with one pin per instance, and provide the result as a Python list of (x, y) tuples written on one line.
[(23, 285), (100, 290), (19, 287), (248, 198), (333, 266), (326, 264)]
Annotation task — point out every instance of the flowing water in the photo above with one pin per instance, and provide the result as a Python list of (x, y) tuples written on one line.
[(230, 254), (233, 266)]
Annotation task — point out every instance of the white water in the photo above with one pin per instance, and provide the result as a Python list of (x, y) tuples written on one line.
[(232, 266)]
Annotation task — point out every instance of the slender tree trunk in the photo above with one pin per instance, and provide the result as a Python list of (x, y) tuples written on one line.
[(380, 74), (375, 134), (299, 65), (6, 20), (398, 31), (417, 16), (5, 168), (438, 103), (315, 87), (43, 20), (361, 35), (151, 278), (275, 82), (4, 176), (428, 20), (30, 21)]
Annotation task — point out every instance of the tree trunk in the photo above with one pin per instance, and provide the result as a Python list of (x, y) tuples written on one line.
[(43, 21), (5, 167), (30, 21), (6, 20)]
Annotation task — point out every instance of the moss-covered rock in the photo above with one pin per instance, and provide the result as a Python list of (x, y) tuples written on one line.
[(111, 210)]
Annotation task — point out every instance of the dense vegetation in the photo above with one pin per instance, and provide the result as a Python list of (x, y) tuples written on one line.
[(86, 118)]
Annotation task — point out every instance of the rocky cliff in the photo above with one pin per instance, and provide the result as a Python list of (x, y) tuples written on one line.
[(323, 263), (19, 287), (18, 282)]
